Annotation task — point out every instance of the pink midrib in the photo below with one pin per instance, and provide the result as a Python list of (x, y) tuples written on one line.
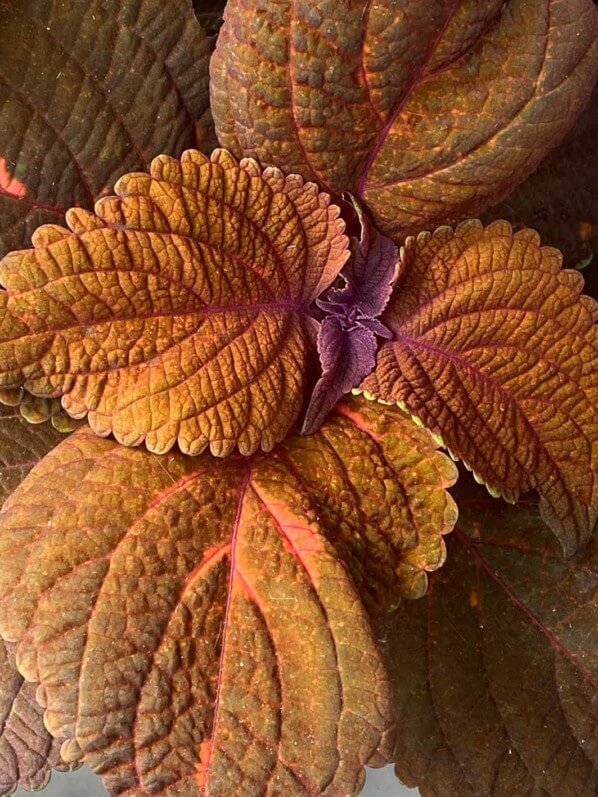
[(360, 185), (474, 550)]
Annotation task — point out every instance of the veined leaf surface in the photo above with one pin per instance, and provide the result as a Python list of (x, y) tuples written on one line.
[(88, 91), (27, 751), (496, 352), (560, 199), (179, 310), (427, 111), (21, 447), (192, 622), (496, 669)]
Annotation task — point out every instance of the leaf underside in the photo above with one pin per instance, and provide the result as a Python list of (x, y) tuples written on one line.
[(210, 638), (496, 352), (428, 112), (496, 669), (179, 311)]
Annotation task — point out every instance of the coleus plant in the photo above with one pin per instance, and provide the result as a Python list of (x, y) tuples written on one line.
[(198, 590)]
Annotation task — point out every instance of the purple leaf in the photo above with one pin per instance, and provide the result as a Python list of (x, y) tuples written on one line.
[(347, 335), (347, 355), (371, 271)]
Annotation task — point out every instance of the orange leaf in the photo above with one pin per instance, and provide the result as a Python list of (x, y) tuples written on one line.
[(27, 751), (193, 623), (496, 352), (427, 111), (179, 311)]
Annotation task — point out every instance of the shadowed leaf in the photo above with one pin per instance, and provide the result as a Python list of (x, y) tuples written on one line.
[(496, 668), (21, 446), (209, 13), (428, 112), (27, 751), (210, 639), (495, 351), (179, 311), (89, 90), (38, 410), (560, 200)]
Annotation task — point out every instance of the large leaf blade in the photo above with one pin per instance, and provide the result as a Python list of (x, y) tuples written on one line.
[(87, 92), (495, 351), (202, 611), (426, 127), (495, 669), (180, 310)]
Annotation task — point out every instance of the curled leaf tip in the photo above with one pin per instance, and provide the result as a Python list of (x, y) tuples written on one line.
[(347, 335)]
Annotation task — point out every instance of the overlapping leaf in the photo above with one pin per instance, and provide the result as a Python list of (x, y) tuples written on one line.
[(27, 751), (21, 447), (191, 621), (560, 200), (496, 352), (88, 91), (428, 112), (496, 668), (179, 311), (209, 13), (38, 410), (347, 341)]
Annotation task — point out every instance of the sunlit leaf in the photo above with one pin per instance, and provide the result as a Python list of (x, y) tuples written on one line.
[(427, 111), (560, 200), (192, 621), (88, 91), (27, 751), (496, 668), (179, 311), (496, 352)]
